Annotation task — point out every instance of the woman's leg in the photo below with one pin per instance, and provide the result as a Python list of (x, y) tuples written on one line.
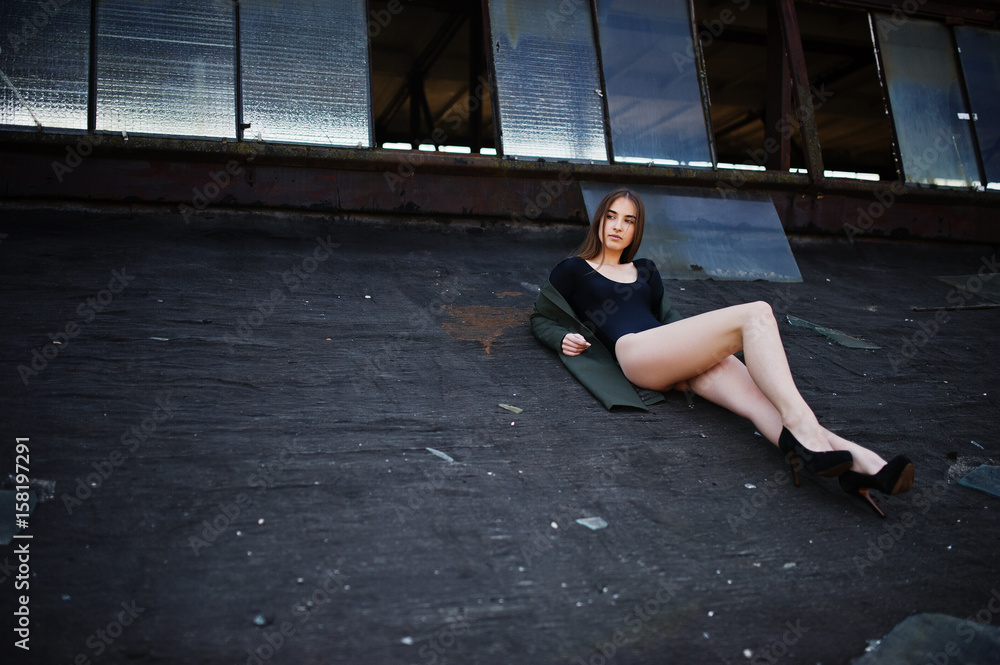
[(729, 385), (663, 356)]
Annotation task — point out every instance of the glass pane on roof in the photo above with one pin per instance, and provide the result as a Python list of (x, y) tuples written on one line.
[(547, 82), (654, 99), (709, 234), (166, 67), (980, 54), (305, 72), (44, 61), (932, 128)]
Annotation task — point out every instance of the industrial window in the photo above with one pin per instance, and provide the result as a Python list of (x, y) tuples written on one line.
[(166, 67), (430, 85), (304, 67), (651, 79), (735, 39), (547, 83), (980, 56), (44, 61), (851, 119), (928, 109)]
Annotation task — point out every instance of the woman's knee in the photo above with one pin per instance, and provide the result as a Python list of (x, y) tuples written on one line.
[(759, 313), (761, 308)]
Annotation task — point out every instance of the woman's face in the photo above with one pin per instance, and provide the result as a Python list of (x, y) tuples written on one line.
[(618, 225)]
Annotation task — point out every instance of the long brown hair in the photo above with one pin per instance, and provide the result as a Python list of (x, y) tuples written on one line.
[(592, 246)]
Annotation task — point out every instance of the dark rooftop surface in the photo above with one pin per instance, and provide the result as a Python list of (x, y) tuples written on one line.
[(238, 424)]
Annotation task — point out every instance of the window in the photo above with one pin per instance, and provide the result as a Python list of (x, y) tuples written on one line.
[(651, 80), (851, 119), (928, 109), (547, 82), (304, 69), (430, 85), (980, 56)]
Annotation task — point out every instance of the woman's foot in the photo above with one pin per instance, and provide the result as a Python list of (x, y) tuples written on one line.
[(821, 463), (896, 477)]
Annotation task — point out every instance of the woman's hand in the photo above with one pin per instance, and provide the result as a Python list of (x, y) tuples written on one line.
[(573, 344)]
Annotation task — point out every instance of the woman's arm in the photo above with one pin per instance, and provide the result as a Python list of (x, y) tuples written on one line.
[(552, 319), (549, 332), (553, 326)]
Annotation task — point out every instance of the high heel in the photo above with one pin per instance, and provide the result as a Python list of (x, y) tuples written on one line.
[(827, 464), (896, 477)]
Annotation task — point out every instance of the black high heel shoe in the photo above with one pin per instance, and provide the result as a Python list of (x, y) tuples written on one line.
[(896, 477), (827, 464)]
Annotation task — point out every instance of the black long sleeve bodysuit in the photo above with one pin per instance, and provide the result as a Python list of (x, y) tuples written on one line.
[(611, 309)]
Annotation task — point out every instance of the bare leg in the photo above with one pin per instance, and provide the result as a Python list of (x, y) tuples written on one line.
[(663, 356), (865, 460), (729, 385)]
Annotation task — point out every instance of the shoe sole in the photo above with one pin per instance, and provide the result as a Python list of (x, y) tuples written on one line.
[(905, 482)]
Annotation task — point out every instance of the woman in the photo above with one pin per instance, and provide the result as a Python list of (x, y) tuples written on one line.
[(606, 313)]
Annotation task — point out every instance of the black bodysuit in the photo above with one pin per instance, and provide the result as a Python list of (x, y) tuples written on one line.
[(611, 309)]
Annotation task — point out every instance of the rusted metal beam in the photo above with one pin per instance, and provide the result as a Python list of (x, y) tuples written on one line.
[(778, 105), (801, 92), (193, 190), (47, 149), (981, 12)]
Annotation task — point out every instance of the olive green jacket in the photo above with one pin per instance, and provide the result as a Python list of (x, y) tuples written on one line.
[(553, 318)]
